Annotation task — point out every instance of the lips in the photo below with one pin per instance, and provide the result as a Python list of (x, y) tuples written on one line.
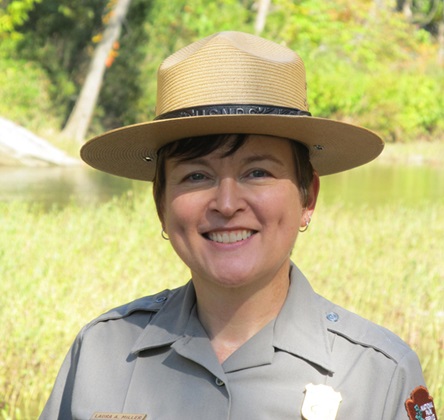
[(229, 237)]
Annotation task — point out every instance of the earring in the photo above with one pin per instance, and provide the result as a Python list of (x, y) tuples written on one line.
[(307, 223), (164, 235)]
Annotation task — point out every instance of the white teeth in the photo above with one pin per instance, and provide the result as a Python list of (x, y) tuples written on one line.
[(230, 237)]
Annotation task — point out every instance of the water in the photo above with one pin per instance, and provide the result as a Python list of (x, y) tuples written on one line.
[(58, 186), (383, 183), (372, 184)]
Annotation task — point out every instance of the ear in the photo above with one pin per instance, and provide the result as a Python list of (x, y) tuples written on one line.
[(312, 198)]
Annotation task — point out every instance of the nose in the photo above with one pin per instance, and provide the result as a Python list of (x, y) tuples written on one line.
[(228, 198)]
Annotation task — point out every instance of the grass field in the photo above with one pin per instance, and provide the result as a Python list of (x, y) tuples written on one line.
[(61, 268)]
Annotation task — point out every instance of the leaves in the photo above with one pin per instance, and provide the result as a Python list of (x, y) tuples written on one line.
[(16, 13), (361, 60)]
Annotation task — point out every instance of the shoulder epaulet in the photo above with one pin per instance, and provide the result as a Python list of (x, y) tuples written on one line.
[(147, 304), (364, 332)]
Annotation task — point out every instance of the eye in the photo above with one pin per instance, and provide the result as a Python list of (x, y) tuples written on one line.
[(195, 177), (258, 173)]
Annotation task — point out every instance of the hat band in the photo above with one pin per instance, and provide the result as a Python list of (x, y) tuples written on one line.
[(231, 109)]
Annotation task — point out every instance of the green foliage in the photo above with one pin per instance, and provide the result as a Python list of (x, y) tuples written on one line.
[(408, 106), (401, 108), (24, 94), (15, 13), (58, 36), (361, 61), (346, 30), (365, 66)]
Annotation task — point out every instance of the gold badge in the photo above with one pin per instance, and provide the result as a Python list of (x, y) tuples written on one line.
[(117, 416), (321, 402)]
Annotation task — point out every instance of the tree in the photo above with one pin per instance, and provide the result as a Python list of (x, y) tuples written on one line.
[(262, 10), (80, 118), (428, 14), (441, 39)]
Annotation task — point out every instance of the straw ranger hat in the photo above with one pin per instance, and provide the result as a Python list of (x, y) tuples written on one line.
[(231, 82)]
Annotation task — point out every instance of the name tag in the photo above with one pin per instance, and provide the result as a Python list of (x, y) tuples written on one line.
[(117, 416)]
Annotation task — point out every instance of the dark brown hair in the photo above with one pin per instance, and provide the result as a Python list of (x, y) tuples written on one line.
[(194, 147)]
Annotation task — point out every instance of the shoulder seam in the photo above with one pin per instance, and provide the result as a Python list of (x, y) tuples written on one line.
[(395, 356), (152, 303), (364, 332)]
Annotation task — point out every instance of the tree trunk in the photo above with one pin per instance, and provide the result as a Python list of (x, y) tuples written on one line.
[(262, 10), (441, 40), (407, 9), (80, 118)]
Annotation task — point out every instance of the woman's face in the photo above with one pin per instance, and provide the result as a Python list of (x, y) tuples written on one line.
[(234, 220)]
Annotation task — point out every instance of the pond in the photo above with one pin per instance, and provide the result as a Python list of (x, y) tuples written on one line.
[(384, 183), (372, 184)]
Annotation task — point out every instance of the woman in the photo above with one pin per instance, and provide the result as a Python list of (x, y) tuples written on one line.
[(235, 158)]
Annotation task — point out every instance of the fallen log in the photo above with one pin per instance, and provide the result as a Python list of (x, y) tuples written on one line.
[(21, 147)]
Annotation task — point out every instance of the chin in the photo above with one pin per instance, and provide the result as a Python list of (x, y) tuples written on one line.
[(233, 279)]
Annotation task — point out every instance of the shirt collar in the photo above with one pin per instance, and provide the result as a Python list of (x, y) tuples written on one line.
[(300, 327), (170, 323)]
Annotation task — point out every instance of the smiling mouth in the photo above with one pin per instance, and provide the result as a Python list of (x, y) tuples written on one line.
[(229, 237)]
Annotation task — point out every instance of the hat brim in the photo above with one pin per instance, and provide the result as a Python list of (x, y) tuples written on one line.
[(130, 151)]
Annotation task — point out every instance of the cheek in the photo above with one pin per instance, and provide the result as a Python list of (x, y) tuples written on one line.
[(180, 213), (285, 207), (173, 218)]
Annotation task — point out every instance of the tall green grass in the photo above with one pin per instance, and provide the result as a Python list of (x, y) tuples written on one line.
[(61, 268)]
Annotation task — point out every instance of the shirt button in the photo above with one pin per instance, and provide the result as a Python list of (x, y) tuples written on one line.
[(219, 382), (160, 299), (332, 317)]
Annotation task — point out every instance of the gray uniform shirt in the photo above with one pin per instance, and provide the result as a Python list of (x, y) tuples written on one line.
[(153, 357)]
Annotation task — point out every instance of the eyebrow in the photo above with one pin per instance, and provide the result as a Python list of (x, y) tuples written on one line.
[(261, 157), (195, 161), (248, 160)]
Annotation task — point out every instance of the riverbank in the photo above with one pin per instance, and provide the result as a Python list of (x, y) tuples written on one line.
[(415, 153)]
